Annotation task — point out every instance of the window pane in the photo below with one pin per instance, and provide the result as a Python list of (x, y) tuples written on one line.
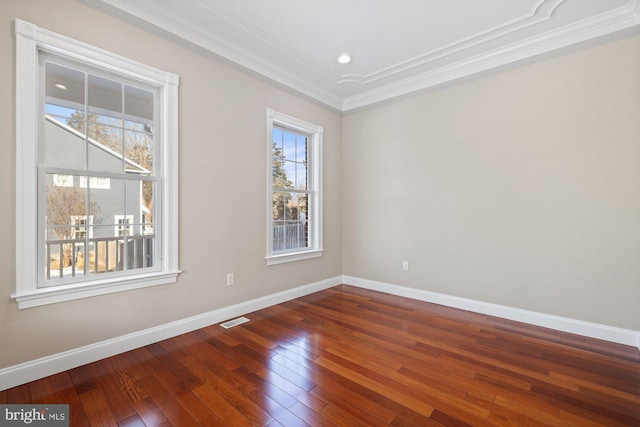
[(278, 220), (138, 106), (278, 206), (303, 220), (290, 221), (302, 208), (106, 120), (104, 123), (66, 228), (280, 178), (301, 177), (277, 139), (63, 147), (103, 250), (134, 205), (63, 203), (105, 148), (139, 152), (64, 87), (289, 160), (147, 207), (296, 207), (289, 145), (292, 175), (104, 96), (67, 116), (288, 174), (297, 226), (63, 257), (301, 149), (105, 204), (139, 253), (104, 129)]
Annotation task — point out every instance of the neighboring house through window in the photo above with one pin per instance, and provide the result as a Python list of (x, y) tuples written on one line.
[(96, 144), (294, 195)]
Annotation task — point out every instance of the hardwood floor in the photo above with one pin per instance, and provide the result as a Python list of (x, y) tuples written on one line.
[(348, 356)]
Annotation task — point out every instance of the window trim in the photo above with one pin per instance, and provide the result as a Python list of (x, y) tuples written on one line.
[(29, 40), (315, 135)]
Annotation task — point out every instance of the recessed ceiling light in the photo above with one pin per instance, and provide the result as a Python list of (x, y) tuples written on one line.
[(60, 86), (344, 58)]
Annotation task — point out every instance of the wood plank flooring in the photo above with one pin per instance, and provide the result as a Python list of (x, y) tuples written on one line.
[(348, 356)]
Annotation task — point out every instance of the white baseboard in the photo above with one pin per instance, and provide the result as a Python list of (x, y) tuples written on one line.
[(29, 371), (592, 330)]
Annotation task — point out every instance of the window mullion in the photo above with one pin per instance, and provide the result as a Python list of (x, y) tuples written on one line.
[(125, 239), (113, 175), (85, 252), (291, 190)]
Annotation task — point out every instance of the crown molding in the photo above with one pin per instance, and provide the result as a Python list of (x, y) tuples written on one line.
[(599, 26), (319, 84), (541, 12), (183, 32), (271, 40)]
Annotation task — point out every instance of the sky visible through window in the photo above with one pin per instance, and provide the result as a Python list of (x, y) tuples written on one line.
[(294, 149)]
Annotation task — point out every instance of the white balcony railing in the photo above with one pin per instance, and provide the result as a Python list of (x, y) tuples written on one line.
[(74, 257), (288, 235)]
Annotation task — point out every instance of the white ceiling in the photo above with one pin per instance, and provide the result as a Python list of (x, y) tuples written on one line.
[(398, 46)]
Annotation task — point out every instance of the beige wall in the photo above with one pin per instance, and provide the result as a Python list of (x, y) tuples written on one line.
[(222, 190), (521, 188)]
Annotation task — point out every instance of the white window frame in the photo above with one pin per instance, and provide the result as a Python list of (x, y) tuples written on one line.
[(30, 40), (314, 134)]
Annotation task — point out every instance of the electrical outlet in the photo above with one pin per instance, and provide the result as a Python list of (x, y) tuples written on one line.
[(231, 279), (405, 265)]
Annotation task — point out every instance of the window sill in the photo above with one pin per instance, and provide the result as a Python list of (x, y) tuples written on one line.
[(292, 257), (62, 293)]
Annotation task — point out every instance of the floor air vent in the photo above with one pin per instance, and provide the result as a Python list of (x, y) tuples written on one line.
[(234, 322)]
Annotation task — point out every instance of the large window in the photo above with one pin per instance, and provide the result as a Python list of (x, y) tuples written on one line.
[(96, 170), (294, 197)]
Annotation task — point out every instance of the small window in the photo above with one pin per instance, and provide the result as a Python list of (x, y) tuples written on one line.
[(82, 224), (123, 227), (62, 180), (96, 141), (294, 205), (96, 182)]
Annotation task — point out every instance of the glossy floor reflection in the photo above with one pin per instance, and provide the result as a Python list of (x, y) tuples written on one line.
[(348, 356)]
